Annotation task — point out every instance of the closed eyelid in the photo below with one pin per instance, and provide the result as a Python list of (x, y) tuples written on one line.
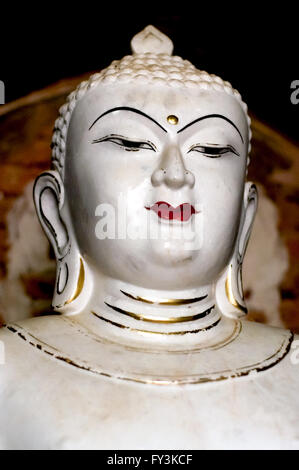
[(222, 149), (120, 138)]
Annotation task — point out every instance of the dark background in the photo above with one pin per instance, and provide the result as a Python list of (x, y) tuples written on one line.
[(253, 47)]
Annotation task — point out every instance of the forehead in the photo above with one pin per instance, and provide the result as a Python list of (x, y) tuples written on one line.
[(158, 102)]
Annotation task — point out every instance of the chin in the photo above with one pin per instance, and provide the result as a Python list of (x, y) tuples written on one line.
[(173, 252)]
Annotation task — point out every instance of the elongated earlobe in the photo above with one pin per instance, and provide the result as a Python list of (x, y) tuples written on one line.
[(229, 289), (73, 282)]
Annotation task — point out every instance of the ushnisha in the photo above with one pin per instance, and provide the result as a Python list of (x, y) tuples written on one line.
[(149, 213)]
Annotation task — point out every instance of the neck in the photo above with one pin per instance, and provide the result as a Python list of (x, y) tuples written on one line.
[(129, 313)]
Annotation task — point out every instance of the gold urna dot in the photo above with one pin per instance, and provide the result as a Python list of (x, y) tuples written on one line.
[(172, 119)]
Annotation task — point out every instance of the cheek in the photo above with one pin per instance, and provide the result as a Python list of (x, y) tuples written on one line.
[(124, 175), (221, 218), (220, 195), (123, 183)]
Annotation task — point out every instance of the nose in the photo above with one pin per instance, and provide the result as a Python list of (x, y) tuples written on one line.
[(172, 171)]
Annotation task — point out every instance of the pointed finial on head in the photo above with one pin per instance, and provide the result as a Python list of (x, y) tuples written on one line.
[(151, 40)]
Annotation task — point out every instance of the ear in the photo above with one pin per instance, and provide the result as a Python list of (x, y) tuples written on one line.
[(48, 193), (229, 288), (73, 281)]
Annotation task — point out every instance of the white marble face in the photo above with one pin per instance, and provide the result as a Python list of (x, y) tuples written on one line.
[(123, 151)]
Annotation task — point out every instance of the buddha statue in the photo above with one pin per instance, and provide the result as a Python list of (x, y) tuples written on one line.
[(149, 213)]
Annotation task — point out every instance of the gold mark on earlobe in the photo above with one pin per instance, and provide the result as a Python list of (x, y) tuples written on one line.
[(80, 283), (230, 294), (172, 119)]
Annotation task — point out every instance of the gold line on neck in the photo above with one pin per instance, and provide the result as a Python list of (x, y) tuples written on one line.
[(165, 301), (119, 325), (142, 317)]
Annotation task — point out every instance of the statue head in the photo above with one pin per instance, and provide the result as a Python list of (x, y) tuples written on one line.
[(148, 181)]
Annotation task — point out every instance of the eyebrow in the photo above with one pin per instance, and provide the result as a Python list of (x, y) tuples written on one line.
[(126, 108), (213, 116)]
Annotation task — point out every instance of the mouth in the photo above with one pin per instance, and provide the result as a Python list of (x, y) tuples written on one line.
[(183, 212)]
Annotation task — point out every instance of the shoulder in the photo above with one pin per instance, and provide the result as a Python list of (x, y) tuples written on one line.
[(293, 357), (278, 347), (14, 336), (18, 350)]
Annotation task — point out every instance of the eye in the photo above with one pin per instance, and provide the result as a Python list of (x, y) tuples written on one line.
[(213, 151), (127, 144)]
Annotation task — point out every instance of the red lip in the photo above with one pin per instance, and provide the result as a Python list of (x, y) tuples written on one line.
[(183, 212)]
